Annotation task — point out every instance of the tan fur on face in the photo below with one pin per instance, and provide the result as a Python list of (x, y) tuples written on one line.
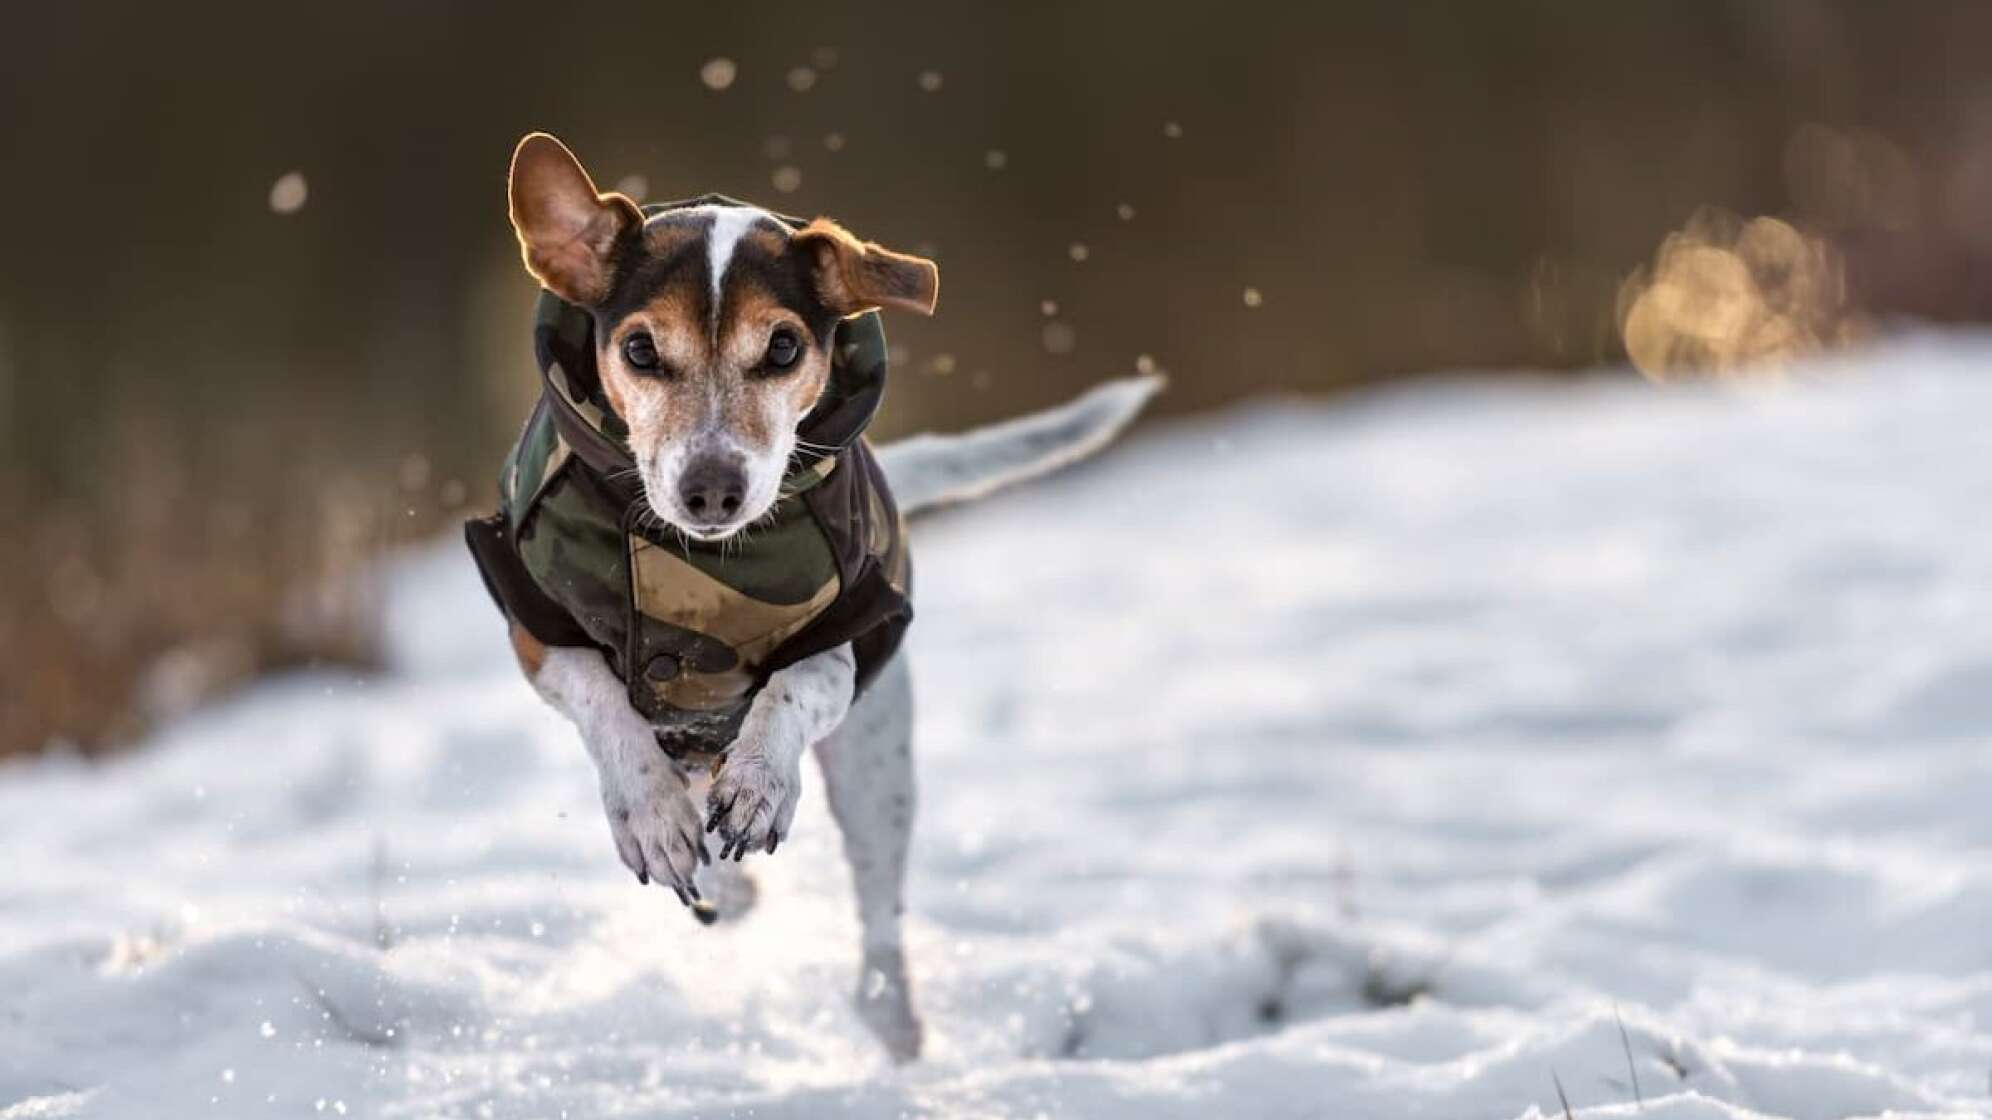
[(671, 320), (770, 407), (717, 399)]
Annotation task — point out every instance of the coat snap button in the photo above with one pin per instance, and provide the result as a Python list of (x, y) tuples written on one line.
[(661, 668)]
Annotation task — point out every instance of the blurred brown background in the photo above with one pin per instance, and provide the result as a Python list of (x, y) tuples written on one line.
[(263, 316)]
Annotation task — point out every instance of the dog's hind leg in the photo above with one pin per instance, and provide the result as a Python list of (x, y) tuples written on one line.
[(868, 777)]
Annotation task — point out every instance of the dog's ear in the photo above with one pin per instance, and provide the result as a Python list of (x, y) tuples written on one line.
[(853, 276), (567, 229)]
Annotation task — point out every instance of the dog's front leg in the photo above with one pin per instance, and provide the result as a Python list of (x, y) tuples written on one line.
[(752, 801), (651, 816)]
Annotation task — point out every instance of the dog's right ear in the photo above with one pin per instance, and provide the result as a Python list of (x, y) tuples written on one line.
[(567, 229)]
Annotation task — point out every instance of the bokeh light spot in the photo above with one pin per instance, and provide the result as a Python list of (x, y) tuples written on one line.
[(718, 73), (289, 192), (1725, 297)]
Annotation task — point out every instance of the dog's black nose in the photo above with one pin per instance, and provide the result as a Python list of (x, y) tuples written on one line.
[(712, 489)]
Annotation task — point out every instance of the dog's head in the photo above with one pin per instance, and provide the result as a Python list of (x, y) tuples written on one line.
[(713, 326)]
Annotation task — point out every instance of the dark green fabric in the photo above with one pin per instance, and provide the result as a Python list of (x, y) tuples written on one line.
[(571, 541)]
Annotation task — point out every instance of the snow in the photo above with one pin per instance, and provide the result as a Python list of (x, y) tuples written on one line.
[(1403, 757)]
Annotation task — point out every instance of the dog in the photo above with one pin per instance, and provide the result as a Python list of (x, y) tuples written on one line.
[(702, 561)]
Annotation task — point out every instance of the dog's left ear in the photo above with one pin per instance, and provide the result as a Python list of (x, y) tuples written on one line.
[(567, 230), (854, 276)]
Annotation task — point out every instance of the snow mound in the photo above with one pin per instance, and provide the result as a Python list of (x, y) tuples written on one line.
[(1430, 755)]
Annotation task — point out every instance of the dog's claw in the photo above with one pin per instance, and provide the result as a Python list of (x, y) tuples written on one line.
[(719, 812), (738, 842), (698, 849), (751, 803), (642, 877)]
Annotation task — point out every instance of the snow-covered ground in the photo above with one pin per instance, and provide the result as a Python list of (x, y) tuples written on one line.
[(1399, 758)]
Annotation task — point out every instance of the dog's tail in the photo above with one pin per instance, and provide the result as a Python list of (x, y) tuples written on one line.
[(934, 470)]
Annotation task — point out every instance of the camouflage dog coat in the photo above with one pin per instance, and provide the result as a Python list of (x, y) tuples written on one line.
[(694, 629)]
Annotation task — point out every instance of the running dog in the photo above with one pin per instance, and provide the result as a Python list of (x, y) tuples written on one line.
[(702, 561)]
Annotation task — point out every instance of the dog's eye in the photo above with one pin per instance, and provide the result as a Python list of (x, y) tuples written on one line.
[(641, 352), (784, 349)]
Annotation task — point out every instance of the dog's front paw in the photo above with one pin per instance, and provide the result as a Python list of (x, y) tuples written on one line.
[(752, 803), (656, 828)]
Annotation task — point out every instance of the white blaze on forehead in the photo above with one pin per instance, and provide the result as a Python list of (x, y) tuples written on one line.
[(725, 226), (729, 224)]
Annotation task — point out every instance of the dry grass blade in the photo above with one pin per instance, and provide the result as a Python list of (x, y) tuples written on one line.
[(1625, 1041)]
